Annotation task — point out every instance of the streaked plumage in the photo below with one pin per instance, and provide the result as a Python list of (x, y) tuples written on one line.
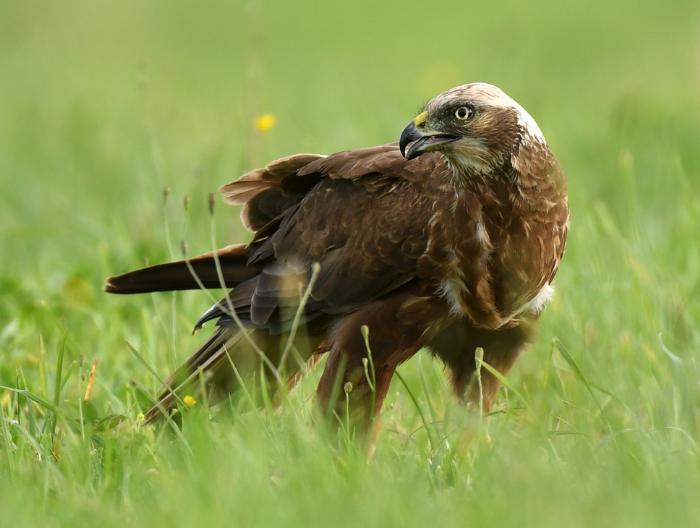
[(452, 246)]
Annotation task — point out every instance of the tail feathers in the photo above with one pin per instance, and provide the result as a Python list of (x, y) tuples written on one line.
[(181, 276), (212, 358)]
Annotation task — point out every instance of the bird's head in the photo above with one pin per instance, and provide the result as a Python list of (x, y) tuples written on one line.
[(476, 127)]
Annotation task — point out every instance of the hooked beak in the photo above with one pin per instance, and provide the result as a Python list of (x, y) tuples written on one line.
[(421, 141)]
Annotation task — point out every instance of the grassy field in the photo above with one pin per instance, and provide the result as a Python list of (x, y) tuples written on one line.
[(103, 104)]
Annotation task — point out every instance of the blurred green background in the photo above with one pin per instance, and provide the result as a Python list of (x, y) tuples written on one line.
[(103, 104)]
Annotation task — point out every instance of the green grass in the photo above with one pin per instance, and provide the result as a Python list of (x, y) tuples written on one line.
[(103, 104)]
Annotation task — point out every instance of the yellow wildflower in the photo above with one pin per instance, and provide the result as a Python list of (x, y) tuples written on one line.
[(265, 123), (189, 400), (140, 417)]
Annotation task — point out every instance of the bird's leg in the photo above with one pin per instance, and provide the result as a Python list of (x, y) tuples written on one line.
[(456, 346), (352, 388), (358, 371)]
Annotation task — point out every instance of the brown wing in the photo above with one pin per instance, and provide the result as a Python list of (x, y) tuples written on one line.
[(362, 215), (260, 191), (267, 193)]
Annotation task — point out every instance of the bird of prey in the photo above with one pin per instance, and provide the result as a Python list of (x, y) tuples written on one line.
[(448, 239)]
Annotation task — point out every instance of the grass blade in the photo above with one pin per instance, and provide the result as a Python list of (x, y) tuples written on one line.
[(420, 411), (31, 422), (57, 383), (500, 377), (74, 424), (7, 443), (315, 270), (684, 389), (582, 378), (153, 372)]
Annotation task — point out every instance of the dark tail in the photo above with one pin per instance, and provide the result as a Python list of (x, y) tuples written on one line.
[(181, 276)]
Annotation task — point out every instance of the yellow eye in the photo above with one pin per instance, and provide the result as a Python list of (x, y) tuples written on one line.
[(463, 113)]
